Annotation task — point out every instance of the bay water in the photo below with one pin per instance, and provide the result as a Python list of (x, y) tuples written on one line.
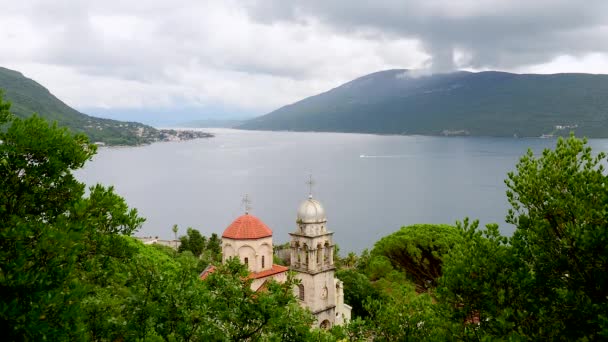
[(369, 185)]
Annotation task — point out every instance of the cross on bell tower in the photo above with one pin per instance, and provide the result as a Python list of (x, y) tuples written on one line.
[(310, 183)]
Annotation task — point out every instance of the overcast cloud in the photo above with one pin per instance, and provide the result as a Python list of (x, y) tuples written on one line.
[(254, 56)]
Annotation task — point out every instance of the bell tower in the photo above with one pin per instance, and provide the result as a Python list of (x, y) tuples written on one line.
[(312, 258)]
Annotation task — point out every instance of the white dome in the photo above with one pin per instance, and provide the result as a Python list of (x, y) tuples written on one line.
[(311, 211)]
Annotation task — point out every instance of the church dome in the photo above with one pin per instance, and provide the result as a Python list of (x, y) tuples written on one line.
[(311, 211), (247, 227)]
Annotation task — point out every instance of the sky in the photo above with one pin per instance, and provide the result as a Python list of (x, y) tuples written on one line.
[(173, 61)]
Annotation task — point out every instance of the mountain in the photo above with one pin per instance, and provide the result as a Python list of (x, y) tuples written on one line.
[(460, 103), (28, 97)]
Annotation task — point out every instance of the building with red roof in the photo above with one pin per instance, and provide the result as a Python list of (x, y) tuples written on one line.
[(250, 240)]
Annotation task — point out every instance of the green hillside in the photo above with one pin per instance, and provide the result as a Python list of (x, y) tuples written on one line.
[(28, 97), (460, 103)]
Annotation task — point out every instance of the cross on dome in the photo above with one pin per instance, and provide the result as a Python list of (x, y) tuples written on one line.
[(310, 183), (247, 203)]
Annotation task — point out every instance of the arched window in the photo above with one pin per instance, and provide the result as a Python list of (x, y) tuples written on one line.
[(305, 249), (301, 292), (319, 252), (262, 261)]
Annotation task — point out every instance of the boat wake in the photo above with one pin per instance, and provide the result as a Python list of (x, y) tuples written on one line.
[(384, 156)]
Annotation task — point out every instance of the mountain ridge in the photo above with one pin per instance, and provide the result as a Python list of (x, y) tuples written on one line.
[(489, 103), (28, 97)]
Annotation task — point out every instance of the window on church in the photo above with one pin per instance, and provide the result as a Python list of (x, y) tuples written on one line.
[(319, 252), (262, 261), (301, 292), (246, 261)]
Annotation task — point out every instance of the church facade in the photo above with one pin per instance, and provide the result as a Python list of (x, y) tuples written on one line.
[(311, 256)]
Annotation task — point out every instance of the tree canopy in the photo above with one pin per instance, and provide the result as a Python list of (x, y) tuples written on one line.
[(548, 281), (418, 251)]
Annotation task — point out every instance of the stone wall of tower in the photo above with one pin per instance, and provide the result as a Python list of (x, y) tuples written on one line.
[(312, 253), (312, 257), (319, 291), (343, 310)]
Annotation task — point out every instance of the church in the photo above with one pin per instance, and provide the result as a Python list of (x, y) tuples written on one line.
[(311, 254)]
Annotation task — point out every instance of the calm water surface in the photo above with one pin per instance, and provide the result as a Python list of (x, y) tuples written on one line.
[(370, 185)]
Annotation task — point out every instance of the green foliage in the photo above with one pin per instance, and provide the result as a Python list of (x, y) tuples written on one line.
[(209, 251), (214, 246), (559, 205), (403, 316), (418, 250), (357, 289), (193, 241), (484, 281), (51, 234), (549, 280), (175, 229)]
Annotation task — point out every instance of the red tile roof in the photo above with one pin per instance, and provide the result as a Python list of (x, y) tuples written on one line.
[(274, 270), (208, 270), (247, 227)]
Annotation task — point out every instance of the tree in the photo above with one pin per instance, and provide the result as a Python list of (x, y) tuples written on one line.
[(357, 289), (548, 281), (418, 250), (175, 230), (560, 207), (48, 229), (214, 246), (193, 241), (484, 289), (37, 189), (351, 260), (403, 316)]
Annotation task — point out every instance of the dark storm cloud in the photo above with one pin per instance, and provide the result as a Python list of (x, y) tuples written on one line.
[(494, 34)]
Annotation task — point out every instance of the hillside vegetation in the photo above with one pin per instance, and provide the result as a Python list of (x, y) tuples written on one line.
[(460, 103), (29, 97)]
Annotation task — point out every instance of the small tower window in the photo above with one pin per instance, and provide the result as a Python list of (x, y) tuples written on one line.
[(301, 292), (319, 252), (262, 261), (246, 261)]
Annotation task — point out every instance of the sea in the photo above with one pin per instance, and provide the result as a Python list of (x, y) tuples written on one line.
[(370, 185)]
